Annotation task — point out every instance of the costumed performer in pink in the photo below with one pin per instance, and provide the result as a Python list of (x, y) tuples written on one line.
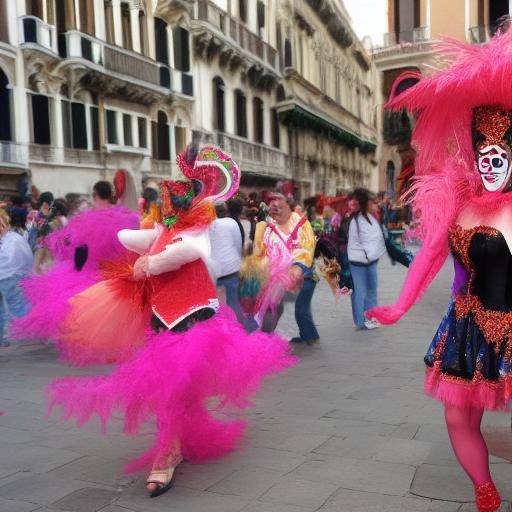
[(462, 190), (197, 360), (78, 250)]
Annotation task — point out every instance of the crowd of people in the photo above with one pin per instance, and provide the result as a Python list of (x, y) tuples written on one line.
[(340, 240)]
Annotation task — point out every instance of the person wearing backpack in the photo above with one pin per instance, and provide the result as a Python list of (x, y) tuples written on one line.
[(365, 247)]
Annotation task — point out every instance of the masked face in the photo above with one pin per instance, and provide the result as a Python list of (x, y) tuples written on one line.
[(493, 154), (494, 167)]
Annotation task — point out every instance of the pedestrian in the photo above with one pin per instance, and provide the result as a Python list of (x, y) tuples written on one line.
[(103, 195), (365, 247), (282, 261), (462, 192), (193, 353), (234, 211), (226, 243), (16, 261)]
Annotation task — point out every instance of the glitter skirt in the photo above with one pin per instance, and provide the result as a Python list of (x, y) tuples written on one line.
[(464, 369)]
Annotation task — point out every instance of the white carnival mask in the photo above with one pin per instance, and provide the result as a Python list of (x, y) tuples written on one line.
[(494, 167), (493, 155)]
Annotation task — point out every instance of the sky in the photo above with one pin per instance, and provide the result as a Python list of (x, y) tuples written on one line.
[(369, 18)]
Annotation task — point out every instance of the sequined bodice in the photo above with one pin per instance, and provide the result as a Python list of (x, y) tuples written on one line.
[(484, 253)]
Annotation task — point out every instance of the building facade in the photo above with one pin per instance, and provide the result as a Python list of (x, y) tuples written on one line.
[(415, 26), (91, 86)]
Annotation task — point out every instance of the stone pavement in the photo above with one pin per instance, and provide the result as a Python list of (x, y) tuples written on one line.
[(348, 430)]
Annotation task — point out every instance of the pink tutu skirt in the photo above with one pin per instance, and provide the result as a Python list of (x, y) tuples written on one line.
[(184, 382)]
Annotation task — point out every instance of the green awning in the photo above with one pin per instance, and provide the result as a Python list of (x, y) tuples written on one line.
[(299, 117)]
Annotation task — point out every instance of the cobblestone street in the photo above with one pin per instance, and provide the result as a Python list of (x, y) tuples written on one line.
[(347, 430)]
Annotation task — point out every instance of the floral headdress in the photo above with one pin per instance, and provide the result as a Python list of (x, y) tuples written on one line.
[(213, 176)]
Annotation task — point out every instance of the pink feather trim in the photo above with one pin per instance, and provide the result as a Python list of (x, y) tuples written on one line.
[(480, 394)]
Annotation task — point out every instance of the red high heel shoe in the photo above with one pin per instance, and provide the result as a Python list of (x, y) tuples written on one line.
[(487, 497)]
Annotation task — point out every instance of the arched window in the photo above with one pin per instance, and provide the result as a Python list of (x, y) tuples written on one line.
[(161, 42), (241, 113), (5, 108), (257, 105), (161, 141), (218, 104)]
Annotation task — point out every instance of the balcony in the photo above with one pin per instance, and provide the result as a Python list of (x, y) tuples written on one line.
[(123, 72), (237, 33), (40, 153), (35, 32), (13, 155), (404, 44), (256, 158)]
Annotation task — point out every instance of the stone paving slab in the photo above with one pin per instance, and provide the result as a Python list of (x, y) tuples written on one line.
[(348, 430)]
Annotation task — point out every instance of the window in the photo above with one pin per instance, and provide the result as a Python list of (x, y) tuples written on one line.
[(127, 130), (35, 8), (261, 18), (126, 24), (161, 141), (79, 126), (181, 49), (112, 137), (161, 42), (5, 108), (86, 16), (242, 10), (143, 31), (109, 21), (276, 142), (180, 138), (218, 104), (287, 53), (66, 123), (141, 126), (241, 113), (40, 119), (258, 120), (95, 127), (4, 23)]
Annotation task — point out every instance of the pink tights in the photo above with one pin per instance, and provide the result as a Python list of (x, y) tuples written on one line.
[(468, 443)]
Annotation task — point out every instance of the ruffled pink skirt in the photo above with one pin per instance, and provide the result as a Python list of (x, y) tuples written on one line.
[(184, 382)]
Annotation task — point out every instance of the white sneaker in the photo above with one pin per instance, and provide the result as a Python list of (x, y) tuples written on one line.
[(371, 324)]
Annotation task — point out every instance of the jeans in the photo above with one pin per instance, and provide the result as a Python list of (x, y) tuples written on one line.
[(364, 296), (303, 315), (12, 303), (231, 284)]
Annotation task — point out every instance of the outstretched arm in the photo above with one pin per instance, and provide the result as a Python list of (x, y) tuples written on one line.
[(185, 249), (422, 271)]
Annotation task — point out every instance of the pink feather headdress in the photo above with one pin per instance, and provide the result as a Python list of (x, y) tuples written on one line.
[(446, 177)]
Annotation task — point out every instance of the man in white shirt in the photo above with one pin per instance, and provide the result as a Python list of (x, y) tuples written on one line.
[(16, 262), (226, 244)]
